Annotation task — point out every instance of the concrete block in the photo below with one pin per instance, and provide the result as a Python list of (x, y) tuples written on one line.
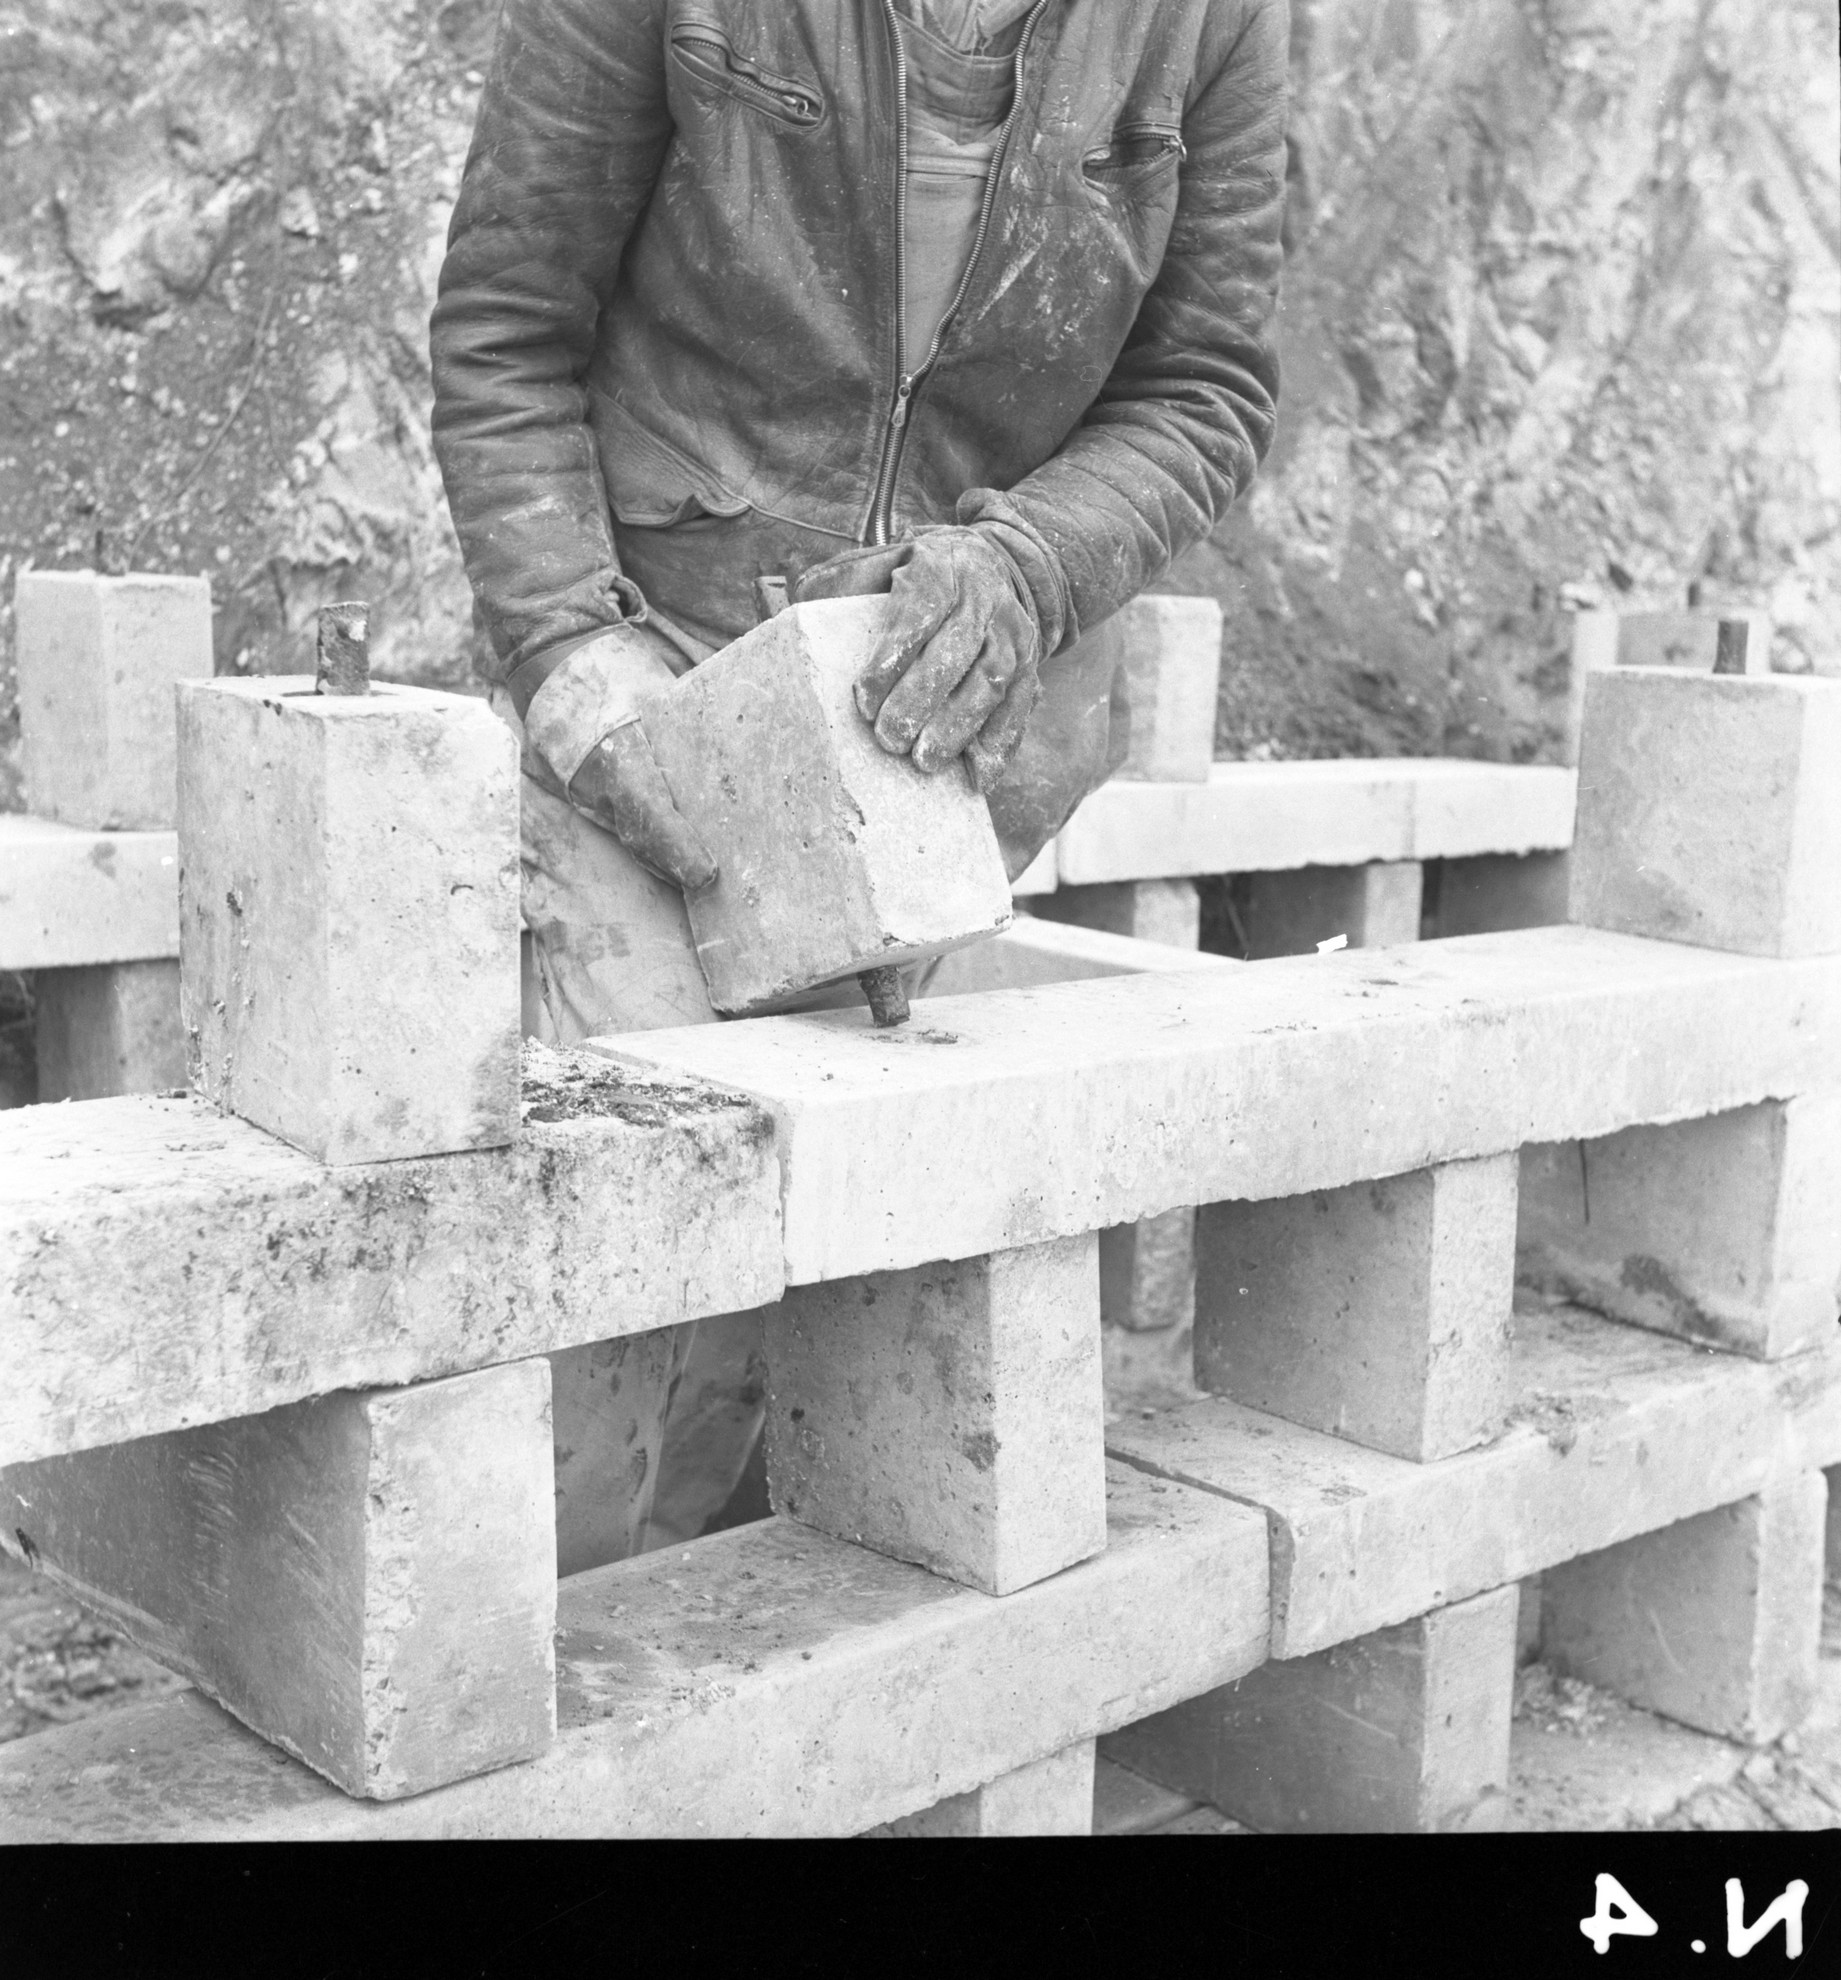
[(950, 1415), (1167, 911), (1267, 817), (1097, 1103), (1170, 654), (163, 1265), (1725, 1230), (1690, 641), (1052, 1797), (1404, 1731), (1289, 914), (1038, 877), (713, 1428), (1715, 1622), (110, 1029), (1617, 1432), (1147, 1272), (1379, 1312), (368, 1579), (1032, 951), (608, 1403), (98, 657), (1832, 1541), (833, 856), (69, 898), (1710, 811), (769, 1680), (1501, 890), (349, 915)]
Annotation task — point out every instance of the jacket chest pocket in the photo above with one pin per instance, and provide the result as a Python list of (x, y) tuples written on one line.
[(1138, 158), (709, 58)]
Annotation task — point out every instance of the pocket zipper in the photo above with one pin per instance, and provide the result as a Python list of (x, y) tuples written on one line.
[(776, 95), (1165, 140)]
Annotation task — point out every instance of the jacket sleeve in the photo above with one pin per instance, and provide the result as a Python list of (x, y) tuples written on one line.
[(1188, 411), (571, 133)]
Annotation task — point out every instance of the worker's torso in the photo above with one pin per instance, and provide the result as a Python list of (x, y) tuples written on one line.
[(756, 377)]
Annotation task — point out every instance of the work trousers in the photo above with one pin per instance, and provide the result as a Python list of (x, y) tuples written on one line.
[(653, 1431)]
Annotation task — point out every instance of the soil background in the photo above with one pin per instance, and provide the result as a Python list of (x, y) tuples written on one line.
[(1559, 328)]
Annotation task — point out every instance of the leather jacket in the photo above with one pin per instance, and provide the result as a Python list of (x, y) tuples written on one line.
[(671, 295)]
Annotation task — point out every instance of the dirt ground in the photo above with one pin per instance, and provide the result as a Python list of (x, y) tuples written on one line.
[(1582, 1760)]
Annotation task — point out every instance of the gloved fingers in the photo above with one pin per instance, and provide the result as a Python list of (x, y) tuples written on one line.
[(922, 598), (624, 790), (970, 704), (923, 691), (987, 756)]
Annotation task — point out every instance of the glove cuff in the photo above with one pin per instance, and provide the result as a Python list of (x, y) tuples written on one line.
[(597, 685), (1038, 570)]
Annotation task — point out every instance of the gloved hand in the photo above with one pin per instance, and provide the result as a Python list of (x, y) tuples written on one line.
[(583, 723), (955, 673)]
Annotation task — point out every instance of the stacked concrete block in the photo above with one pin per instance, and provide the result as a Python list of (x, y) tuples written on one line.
[(1710, 811), (1715, 1621), (98, 661), (1478, 896), (1379, 1312), (1724, 1230), (833, 857), (349, 915), (1368, 907), (1168, 911), (1709, 814), (367, 1580), (1052, 1797), (1170, 656), (1405, 1729), (950, 1415), (110, 1028)]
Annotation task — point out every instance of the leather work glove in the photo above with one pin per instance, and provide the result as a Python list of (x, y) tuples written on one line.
[(955, 673), (583, 723)]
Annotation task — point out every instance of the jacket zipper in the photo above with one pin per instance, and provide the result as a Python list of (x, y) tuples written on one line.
[(895, 434)]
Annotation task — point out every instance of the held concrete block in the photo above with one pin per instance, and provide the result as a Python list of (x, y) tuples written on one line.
[(368, 1580), (349, 915), (1501, 890), (1375, 906), (98, 657), (1147, 1272), (1170, 653), (833, 855), (1404, 1731), (1379, 1312), (1052, 1797), (1725, 1230), (70, 898), (1710, 811), (163, 1265), (950, 1415), (1098, 1103), (776, 1682), (1715, 1621), (110, 1029), (1617, 1432), (1167, 911)]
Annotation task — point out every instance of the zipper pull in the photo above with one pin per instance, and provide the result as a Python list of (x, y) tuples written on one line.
[(903, 392)]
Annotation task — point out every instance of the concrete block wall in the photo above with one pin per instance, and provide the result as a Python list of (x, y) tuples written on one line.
[(874, 1676)]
